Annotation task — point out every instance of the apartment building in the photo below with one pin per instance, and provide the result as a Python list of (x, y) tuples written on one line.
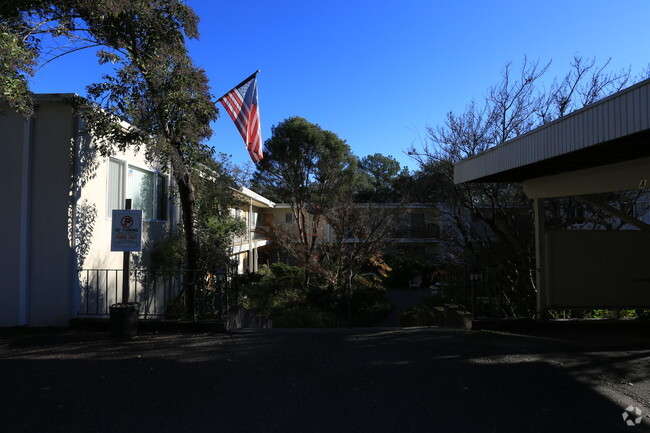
[(58, 219)]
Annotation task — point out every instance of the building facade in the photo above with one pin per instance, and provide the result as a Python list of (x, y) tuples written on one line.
[(57, 221), (62, 192)]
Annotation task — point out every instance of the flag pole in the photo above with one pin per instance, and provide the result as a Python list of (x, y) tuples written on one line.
[(242, 82)]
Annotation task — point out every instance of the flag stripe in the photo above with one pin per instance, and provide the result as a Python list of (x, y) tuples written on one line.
[(233, 107), (256, 140), (244, 112)]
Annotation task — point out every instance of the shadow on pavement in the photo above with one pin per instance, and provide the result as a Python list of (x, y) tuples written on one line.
[(371, 380)]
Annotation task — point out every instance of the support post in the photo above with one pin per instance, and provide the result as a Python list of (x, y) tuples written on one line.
[(126, 267), (24, 235), (540, 258), (473, 277), (251, 253)]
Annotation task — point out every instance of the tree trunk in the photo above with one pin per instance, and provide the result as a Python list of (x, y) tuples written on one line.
[(305, 278), (188, 209)]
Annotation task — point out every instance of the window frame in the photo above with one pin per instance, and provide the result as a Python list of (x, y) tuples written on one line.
[(166, 182), (122, 193), (150, 172), (157, 176)]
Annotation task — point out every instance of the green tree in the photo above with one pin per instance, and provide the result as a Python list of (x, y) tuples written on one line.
[(379, 174), (309, 168), (155, 85), (358, 236), (216, 224)]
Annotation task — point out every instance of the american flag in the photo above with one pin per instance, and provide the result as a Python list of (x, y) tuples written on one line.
[(241, 105)]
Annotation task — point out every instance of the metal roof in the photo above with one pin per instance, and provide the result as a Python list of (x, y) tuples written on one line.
[(257, 199), (614, 129), (54, 97)]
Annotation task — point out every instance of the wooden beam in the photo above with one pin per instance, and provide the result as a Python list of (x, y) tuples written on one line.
[(614, 212), (622, 176)]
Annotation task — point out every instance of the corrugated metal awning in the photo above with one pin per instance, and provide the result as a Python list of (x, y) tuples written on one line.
[(614, 129)]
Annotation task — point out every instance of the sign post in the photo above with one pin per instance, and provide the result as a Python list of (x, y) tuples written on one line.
[(126, 271), (126, 236)]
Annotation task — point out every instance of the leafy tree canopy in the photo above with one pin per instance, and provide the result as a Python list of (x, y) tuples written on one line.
[(305, 165), (120, 30), (312, 169), (379, 174)]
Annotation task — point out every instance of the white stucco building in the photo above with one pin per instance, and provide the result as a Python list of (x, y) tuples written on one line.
[(59, 196), (58, 203)]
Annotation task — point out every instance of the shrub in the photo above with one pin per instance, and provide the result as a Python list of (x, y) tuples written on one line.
[(286, 275), (370, 314), (276, 293), (642, 314), (273, 286), (405, 265)]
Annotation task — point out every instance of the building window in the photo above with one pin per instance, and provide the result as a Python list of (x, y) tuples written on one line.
[(148, 190), (115, 185), (268, 220), (141, 190), (417, 225), (162, 197), (289, 218)]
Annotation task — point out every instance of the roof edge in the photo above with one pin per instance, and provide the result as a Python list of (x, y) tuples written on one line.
[(559, 119), (54, 97)]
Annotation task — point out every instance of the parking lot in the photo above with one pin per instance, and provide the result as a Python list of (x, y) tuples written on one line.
[(363, 380)]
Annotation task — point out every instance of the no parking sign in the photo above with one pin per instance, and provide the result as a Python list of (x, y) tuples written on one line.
[(126, 232)]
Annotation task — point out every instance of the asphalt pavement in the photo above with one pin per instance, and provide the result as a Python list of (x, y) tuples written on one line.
[(360, 380)]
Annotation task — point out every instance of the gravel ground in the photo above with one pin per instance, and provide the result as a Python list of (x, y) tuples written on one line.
[(360, 380)]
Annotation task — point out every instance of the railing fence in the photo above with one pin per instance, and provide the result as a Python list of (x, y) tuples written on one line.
[(483, 292), (160, 293)]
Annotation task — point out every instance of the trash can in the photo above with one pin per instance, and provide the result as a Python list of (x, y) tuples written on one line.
[(124, 320)]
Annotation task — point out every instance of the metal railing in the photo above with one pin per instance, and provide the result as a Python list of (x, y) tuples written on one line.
[(483, 292), (160, 293), (255, 234), (405, 231)]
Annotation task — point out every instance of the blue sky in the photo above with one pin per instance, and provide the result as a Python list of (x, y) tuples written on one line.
[(378, 72)]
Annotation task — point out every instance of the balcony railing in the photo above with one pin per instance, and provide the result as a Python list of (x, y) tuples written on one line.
[(428, 231), (254, 235)]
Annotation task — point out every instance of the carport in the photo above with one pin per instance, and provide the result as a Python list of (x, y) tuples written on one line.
[(604, 147)]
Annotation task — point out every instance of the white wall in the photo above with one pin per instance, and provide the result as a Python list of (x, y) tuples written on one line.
[(56, 181), (13, 220), (94, 193), (51, 252), (36, 253)]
